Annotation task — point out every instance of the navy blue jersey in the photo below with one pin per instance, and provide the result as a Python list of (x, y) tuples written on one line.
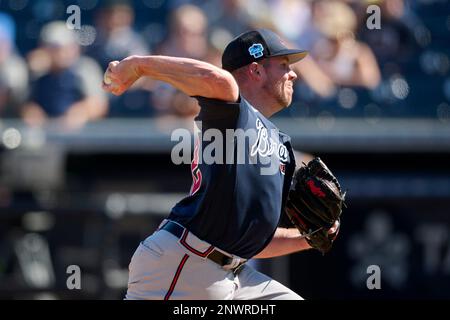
[(236, 205)]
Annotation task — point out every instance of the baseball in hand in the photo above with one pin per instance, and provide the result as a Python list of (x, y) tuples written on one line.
[(106, 78)]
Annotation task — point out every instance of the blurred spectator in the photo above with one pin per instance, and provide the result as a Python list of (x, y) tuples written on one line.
[(185, 39), (228, 15), (397, 42), (67, 84), (13, 70), (226, 20), (347, 61), (116, 39), (293, 19)]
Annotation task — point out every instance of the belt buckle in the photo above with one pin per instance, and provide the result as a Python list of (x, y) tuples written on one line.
[(238, 269), (235, 264)]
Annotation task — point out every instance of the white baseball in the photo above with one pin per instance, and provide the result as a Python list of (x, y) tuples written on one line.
[(106, 79)]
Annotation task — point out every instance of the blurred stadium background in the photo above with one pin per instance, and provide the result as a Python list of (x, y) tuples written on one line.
[(85, 176)]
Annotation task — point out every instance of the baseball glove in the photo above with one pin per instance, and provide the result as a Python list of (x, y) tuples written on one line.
[(315, 203)]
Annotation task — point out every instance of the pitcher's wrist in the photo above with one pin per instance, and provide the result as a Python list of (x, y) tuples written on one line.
[(136, 65)]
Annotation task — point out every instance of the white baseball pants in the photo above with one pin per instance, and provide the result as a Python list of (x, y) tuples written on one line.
[(163, 268)]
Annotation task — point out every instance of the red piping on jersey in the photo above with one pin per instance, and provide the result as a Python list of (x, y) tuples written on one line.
[(201, 254), (175, 278), (195, 170)]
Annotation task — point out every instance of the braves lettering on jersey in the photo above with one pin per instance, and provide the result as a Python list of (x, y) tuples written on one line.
[(233, 206)]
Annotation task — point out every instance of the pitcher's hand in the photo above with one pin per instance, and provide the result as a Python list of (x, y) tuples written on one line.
[(120, 75)]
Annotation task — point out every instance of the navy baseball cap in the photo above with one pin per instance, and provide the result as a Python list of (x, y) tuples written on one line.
[(255, 45)]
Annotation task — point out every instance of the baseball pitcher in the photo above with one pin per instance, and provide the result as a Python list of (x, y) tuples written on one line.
[(233, 210)]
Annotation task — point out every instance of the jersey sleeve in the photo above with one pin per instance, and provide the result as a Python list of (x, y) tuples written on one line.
[(217, 114)]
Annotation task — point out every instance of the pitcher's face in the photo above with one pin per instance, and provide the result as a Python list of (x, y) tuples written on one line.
[(280, 80)]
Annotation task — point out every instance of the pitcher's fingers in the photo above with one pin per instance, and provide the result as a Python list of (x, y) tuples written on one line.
[(334, 228), (112, 66), (111, 76), (106, 87), (112, 88), (116, 90)]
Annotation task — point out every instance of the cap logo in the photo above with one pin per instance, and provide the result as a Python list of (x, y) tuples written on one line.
[(256, 50)]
